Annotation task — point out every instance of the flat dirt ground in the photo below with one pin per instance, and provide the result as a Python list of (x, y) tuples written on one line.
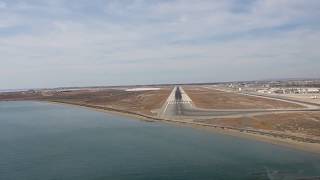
[(134, 101), (216, 99), (139, 101), (307, 123)]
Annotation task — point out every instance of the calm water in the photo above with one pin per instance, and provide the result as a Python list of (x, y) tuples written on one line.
[(43, 141)]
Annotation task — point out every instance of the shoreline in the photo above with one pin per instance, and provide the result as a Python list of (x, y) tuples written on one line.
[(284, 142), (231, 131)]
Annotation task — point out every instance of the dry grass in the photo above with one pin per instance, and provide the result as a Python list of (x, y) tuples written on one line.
[(300, 123), (143, 102), (215, 99), (139, 102)]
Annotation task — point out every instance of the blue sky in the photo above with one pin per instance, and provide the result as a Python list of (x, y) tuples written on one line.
[(51, 43)]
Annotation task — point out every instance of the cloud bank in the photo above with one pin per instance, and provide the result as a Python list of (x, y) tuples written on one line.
[(50, 43)]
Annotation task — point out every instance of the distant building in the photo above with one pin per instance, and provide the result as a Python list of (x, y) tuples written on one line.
[(313, 90), (295, 90)]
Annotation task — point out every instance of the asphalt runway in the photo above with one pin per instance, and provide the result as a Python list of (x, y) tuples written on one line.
[(179, 105)]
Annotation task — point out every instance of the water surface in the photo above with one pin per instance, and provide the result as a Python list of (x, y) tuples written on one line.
[(45, 141)]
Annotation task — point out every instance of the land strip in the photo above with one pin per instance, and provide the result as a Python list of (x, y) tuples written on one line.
[(147, 104)]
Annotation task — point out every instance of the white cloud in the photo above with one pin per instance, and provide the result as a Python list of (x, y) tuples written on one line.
[(209, 39)]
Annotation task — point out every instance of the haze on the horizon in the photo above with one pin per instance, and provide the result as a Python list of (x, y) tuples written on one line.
[(50, 43)]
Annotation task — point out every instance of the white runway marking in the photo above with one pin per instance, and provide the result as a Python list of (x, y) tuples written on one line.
[(172, 100), (178, 102)]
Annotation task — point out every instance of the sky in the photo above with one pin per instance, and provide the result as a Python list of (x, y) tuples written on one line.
[(54, 43)]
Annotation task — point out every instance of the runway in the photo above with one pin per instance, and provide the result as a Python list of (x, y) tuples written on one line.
[(180, 106)]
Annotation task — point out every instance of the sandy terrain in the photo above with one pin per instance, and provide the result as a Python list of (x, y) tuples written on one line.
[(215, 99)]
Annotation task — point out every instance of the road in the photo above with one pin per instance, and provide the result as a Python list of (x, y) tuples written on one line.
[(179, 106)]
